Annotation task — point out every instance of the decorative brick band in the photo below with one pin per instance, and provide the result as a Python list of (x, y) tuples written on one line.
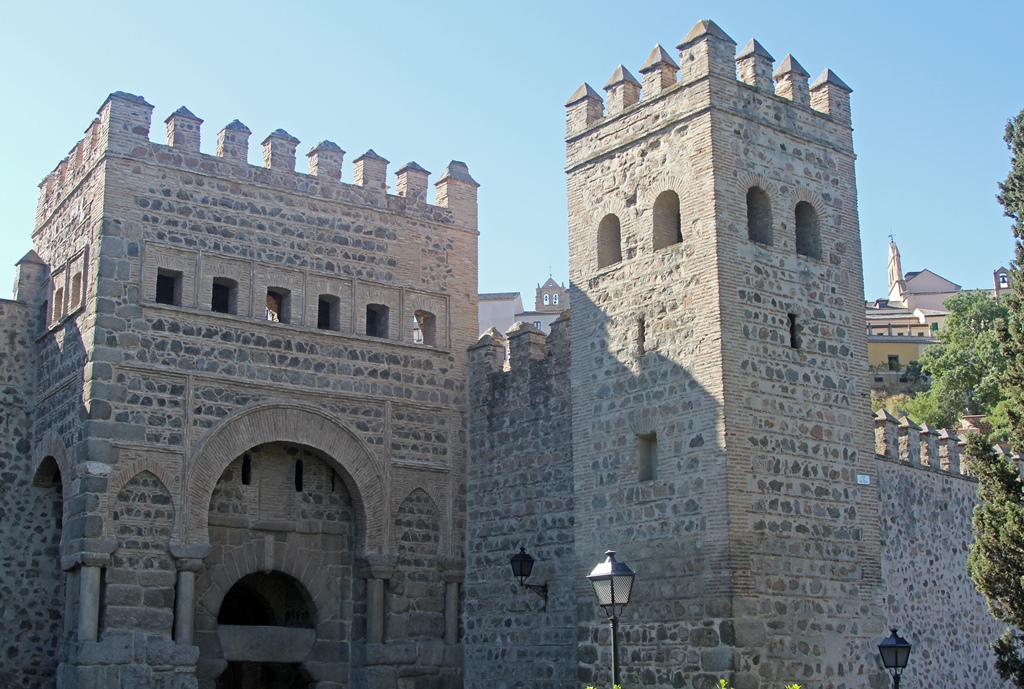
[(289, 422)]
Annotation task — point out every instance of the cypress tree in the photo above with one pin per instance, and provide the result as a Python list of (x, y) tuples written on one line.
[(1011, 196), (996, 558)]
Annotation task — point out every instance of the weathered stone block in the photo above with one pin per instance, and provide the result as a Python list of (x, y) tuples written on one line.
[(391, 654)]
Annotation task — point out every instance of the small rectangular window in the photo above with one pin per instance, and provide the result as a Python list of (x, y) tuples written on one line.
[(224, 296), (424, 328), (58, 305), (894, 362), (328, 312), (278, 305), (168, 287), (76, 292), (794, 332), (377, 320), (647, 446)]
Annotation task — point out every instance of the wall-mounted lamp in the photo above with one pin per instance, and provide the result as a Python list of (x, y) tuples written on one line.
[(522, 566)]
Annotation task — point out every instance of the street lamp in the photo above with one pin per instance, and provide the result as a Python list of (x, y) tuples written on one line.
[(895, 651), (522, 566), (613, 582)]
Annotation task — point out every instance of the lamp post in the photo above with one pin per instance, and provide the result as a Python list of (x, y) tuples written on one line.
[(613, 582), (895, 652)]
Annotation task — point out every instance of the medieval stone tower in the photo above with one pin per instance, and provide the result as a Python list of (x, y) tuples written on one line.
[(718, 371), (713, 428), (234, 452)]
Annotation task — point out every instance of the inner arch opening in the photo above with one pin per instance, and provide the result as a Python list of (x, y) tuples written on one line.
[(271, 599)]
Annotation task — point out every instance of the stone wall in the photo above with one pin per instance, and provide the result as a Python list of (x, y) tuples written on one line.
[(926, 502), (31, 512), (732, 357), (198, 309), (520, 486)]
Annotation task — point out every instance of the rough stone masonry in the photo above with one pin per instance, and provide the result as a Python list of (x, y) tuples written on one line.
[(248, 440)]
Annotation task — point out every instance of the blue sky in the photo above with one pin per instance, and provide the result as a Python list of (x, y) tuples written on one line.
[(485, 82)]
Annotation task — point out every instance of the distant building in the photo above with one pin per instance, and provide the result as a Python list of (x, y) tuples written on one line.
[(498, 310), (551, 300), (902, 326), (1001, 281)]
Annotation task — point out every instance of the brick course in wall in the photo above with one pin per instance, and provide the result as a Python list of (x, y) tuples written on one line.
[(158, 361), (246, 430)]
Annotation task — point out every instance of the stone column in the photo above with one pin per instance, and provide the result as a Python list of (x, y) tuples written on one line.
[(451, 613), (379, 568), (375, 610), (189, 560), (454, 575), (89, 556), (89, 603)]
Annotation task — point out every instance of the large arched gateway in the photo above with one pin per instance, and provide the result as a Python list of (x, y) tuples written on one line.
[(276, 591)]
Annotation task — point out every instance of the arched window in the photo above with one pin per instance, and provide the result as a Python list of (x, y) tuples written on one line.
[(808, 238), (667, 226), (759, 216), (554, 299), (547, 299), (609, 241)]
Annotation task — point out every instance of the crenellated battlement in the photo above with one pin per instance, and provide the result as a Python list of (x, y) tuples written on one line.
[(707, 51), (524, 345), (123, 128), (945, 450)]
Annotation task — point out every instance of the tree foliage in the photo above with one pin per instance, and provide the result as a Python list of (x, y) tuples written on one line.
[(968, 368), (996, 558), (1011, 336)]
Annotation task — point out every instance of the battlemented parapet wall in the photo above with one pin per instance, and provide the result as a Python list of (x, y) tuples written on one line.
[(520, 495), (250, 369), (926, 501)]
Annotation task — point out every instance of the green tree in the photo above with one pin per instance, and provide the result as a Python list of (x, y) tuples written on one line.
[(996, 558), (968, 368), (1011, 336)]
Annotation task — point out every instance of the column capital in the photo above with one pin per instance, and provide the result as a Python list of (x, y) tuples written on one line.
[(189, 558), (87, 552), (376, 565)]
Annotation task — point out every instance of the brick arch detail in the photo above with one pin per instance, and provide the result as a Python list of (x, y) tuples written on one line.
[(661, 182), (747, 180), (804, 194), (124, 474), (618, 208), (281, 421), (649, 193), (280, 561), (50, 445), (433, 494)]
